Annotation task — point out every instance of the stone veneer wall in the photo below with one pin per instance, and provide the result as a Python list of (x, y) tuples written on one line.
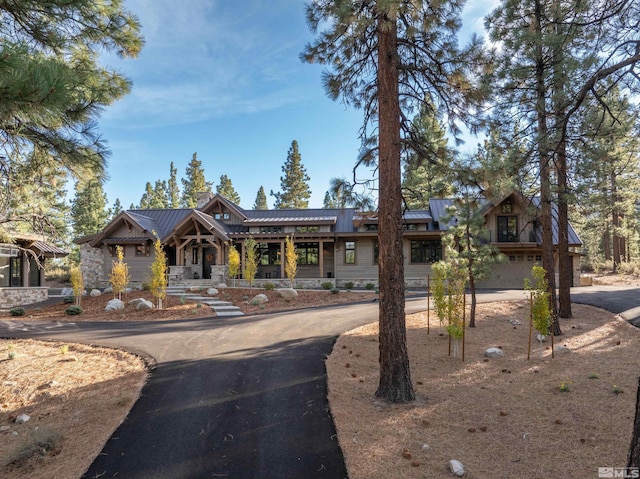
[(11, 297), (91, 266)]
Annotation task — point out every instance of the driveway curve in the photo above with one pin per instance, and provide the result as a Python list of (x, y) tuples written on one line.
[(241, 397)]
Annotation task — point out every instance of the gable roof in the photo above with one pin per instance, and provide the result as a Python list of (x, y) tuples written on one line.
[(439, 212), (219, 199), (212, 225)]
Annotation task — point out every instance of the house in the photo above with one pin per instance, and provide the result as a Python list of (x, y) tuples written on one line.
[(22, 269), (339, 246)]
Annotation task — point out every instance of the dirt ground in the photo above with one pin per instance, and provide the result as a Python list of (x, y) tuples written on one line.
[(501, 418)]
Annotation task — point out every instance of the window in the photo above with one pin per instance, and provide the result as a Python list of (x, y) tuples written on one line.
[(113, 248), (269, 253), (143, 249), (222, 216), (426, 251), (307, 229), (194, 256), (410, 227), (376, 252), (371, 227), (538, 257), (530, 258), (308, 253), (349, 252), (270, 229), (507, 229)]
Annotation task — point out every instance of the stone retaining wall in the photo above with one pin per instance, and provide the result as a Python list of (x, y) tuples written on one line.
[(11, 297), (91, 266)]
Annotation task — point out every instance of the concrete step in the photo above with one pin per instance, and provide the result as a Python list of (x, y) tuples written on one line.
[(220, 307)]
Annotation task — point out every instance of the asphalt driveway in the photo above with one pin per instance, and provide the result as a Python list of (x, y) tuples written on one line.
[(241, 397)]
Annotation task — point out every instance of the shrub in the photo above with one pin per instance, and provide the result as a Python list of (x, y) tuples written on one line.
[(369, 286), (68, 300), (17, 311), (269, 286), (73, 311), (334, 290), (327, 285), (348, 285), (41, 442)]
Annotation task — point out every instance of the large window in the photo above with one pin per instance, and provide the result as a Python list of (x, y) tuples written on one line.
[(143, 249), (426, 251), (349, 252), (269, 253), (308, 253), (10, 267), (507, 229)]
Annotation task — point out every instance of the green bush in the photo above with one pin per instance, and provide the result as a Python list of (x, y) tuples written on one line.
[(348, 285), (327, 285), (369, 286), (18, 311), (68, 300), (334, 290), (269, 286), (73, 310)]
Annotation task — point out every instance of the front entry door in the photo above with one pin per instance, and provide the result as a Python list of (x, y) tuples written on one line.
[(208, 259)]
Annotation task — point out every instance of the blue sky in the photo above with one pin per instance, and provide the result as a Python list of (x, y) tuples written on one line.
[(223, 78)]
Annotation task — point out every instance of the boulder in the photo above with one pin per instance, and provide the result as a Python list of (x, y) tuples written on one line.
[(259, 299), (66, 292), (108, 290), (134, 302), (456, 468), (95, 292), (222, 286), (194, 289), (287, 293), (541, 338), (114, 305), (144, 304), (494, 353), (212, 291), (562, 349)]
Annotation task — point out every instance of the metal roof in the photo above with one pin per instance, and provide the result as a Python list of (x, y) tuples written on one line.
[(160, 221), (47, 249)]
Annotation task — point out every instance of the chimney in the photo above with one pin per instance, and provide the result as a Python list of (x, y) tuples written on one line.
[(202, 198)]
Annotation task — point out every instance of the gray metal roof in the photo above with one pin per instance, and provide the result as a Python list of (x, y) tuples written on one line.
[(160, 221)]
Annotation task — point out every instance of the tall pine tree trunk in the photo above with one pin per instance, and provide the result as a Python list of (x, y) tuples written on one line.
[(395, 378), (545, 174), (606, 242), (633, 457), (615, 222)]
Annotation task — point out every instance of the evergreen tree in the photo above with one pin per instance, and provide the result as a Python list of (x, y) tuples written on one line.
[(608, 186), (53, 84), (226, 189), (89, 212), (147, 197), (116, 209), (425, 169), (294, 187), (159, 199), (173, 190), (38, 205), (384, 55), (329, 201), (194, 183), (261, 200)]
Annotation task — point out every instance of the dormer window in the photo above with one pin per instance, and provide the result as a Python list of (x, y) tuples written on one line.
[(507, 207)]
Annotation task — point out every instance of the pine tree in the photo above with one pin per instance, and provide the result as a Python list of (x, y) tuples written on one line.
[(294, 187), (173, 190), (38, 205), (226, 189), (54, 86), (147, 197), (116, 209), (261, 200), (159, 199), (384, 55), (194, 183), (89, 212), (329, 201), (425, 170)]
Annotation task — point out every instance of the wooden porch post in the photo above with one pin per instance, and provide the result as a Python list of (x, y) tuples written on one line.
[(321, 259), (283, 258)]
